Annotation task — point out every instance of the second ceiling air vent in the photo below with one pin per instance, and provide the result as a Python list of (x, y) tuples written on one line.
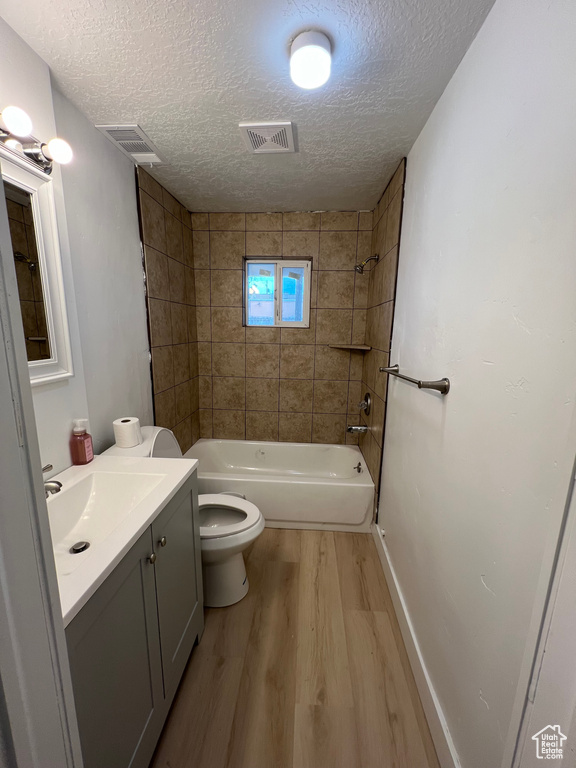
[(132, 141), (268, 138)]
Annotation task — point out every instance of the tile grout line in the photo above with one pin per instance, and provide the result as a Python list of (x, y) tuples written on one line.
[(315, 331), (211, 355), (245, 347)]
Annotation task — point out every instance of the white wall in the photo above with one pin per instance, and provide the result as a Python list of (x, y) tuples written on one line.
[(99, 240), (25, 82), (474, 484), (101, 208)]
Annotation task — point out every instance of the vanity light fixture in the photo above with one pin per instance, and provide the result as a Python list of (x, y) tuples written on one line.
[(14, 145), (15, 121), (15, 134), (310, 59), (58, 150)]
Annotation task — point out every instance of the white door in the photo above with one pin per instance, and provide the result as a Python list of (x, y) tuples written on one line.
[(37, 719), (549, 723)]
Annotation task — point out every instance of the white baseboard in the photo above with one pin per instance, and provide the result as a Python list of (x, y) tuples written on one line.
[(365, 527), (445, 748)]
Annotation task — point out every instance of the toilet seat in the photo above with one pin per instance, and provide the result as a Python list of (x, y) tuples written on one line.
[(236, 505)]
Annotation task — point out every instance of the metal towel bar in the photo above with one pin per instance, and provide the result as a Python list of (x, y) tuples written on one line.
[(442, 385)]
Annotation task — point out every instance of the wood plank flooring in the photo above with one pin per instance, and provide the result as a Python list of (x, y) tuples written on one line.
[(308, 671)]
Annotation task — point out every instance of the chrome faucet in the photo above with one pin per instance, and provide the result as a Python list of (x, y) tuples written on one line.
[(366, 404), (52, 486), (357, 430)]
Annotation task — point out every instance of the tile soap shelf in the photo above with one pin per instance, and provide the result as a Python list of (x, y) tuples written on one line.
[(354, 347)]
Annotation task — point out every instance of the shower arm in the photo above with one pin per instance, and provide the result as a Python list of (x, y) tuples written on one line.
[(360, 267), (18, 256)]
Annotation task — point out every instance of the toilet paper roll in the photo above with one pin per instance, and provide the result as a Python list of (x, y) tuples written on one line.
[(127, 432)]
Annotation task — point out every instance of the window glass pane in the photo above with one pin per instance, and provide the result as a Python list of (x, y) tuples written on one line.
[(292, 294), (260, 309)]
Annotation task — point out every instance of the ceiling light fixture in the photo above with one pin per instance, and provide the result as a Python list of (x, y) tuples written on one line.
[(310, 59), (15, 135)]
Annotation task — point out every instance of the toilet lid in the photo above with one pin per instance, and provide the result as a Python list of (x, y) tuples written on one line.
[(232, 503)]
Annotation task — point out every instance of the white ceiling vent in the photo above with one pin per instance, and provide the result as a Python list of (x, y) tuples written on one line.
[(267, 138), (133, 142)]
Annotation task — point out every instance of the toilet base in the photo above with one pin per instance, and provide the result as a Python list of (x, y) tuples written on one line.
[(225, 581)]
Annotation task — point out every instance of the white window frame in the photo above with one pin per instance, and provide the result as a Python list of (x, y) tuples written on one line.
[(279, 264)]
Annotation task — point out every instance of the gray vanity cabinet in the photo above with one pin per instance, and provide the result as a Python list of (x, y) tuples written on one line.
[(130, 643), (114, 652), (178, 561)]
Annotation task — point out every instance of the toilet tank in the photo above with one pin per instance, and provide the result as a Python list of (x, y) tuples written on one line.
[(158, 442)]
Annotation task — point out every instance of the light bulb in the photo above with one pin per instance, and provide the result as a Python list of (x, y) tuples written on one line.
[(310, 60), (58, 150), (13, 144), (16, 121)]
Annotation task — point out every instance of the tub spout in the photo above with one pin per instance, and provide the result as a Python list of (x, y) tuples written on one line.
[(357, 430)]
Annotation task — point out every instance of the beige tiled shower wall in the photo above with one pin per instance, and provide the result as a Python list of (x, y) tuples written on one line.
[(170, 295), (270, 383), (379, 315), (213, 377), (29, 281)]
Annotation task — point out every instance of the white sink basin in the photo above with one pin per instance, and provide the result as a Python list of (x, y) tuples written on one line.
[(108, 503), (90, 509)]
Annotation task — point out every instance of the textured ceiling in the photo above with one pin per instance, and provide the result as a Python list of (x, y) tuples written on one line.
[(188, 71)]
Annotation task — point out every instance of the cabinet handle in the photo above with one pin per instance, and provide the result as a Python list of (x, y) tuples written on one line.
[(152, 558), (163, 541)]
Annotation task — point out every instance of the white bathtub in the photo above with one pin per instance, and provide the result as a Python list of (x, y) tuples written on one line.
[(295, 485)]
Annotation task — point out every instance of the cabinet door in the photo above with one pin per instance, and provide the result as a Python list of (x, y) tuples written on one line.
[(114, 652), (178, 583)]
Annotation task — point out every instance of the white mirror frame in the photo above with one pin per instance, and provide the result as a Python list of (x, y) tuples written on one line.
[(22, 173)]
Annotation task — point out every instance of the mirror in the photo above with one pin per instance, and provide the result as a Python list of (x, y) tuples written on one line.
[(28, 274), (29, 196)]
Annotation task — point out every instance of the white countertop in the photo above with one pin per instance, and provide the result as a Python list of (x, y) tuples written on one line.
[(96, 563)]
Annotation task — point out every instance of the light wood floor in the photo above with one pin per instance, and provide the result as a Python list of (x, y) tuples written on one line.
[(308, 671)]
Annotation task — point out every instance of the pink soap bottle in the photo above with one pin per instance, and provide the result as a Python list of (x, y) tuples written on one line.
[(81, 448)]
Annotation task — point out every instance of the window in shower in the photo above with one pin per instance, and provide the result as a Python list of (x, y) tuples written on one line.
[(277, 293)]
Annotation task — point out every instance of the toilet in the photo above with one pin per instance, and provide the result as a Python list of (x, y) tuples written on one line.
[(228, 525)]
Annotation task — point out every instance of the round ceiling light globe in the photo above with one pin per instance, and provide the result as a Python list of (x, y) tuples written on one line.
[(59, 151), (16, 121), (310, 60)]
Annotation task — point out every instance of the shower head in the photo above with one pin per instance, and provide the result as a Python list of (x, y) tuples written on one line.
[(25, 259), (360, 267)]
